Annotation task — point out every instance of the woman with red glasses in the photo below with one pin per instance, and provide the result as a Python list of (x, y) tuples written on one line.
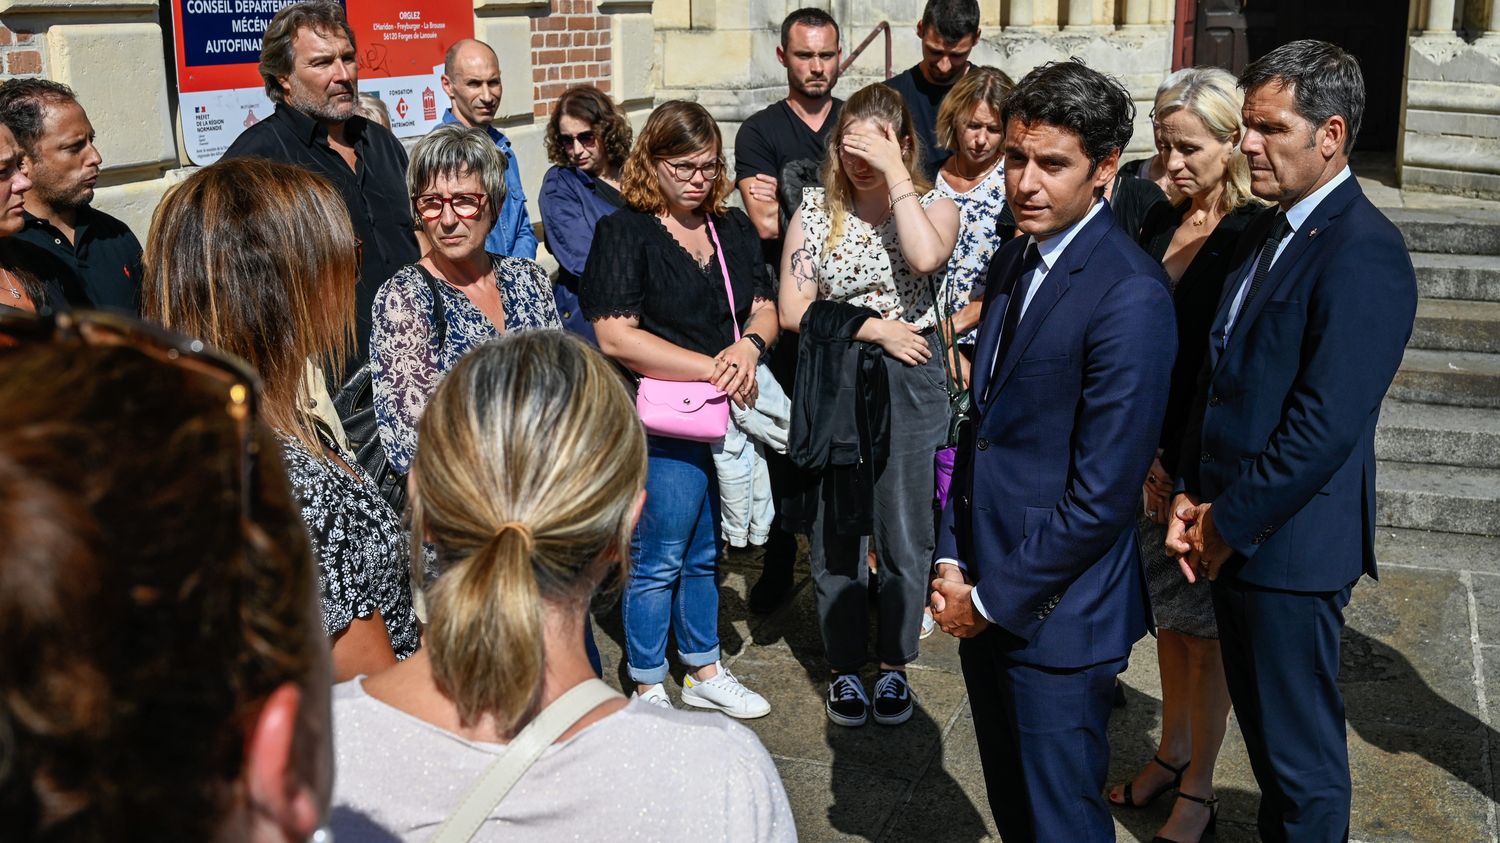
[(430, 313), (588, 139)]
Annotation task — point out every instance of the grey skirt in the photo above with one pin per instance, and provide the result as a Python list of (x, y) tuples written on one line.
[(1179, 606)]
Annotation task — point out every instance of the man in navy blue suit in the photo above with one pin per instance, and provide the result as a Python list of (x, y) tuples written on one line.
[(1278, 481), (1037, 565)]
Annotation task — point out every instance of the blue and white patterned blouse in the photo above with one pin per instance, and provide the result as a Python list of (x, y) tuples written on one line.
[(406, 363), (977, 241)]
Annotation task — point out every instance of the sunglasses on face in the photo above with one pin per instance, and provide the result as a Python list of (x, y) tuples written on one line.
[(466, 206), (683, 170), (584, 139), (237, 381)]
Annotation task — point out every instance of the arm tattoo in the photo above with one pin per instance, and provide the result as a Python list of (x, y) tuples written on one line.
[(802, 268)]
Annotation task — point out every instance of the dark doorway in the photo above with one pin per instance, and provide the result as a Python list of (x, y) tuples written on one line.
[(1231, 33)]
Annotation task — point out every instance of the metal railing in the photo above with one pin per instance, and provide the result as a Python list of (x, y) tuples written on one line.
[(882, 27)]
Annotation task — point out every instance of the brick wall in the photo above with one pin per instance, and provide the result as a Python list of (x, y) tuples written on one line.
[(21, 53), (569, 46)]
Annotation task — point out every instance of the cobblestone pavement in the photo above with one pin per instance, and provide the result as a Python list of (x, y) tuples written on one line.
[(1421, 674)]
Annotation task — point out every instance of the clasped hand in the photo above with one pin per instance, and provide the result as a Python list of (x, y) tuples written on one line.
[(1193, 539), (952, 602), (734, 373)]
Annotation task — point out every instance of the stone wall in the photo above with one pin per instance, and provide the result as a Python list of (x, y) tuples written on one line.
[(722, 53), (1450, 140)]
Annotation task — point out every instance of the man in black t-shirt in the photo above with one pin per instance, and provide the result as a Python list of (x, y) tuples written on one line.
[(780, 145), (949, 29), (778, 152)]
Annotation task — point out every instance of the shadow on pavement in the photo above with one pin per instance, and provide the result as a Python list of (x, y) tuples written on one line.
[(1382, 688)]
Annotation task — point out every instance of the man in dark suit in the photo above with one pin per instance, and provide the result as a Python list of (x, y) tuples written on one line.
[(1278, 466), (1038, 568)]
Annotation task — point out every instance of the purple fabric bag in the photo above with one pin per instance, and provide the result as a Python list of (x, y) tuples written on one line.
[(942, 464)]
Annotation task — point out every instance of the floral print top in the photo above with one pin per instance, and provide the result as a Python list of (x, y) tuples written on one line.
[(360, 546), (406, 362), (866, 267), (977, 243)]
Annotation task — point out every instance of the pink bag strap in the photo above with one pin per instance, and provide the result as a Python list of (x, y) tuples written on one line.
[(724, 270)]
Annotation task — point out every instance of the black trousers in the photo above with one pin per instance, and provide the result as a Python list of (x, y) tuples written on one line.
[(1043, 740), (1281, 660)]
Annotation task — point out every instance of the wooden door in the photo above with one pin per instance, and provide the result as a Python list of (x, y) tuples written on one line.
[(1220, 39)]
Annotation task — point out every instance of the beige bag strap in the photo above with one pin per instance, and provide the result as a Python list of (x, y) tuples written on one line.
[(524, 750)]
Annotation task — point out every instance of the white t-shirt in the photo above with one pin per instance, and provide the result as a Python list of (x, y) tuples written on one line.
[(642, 773)]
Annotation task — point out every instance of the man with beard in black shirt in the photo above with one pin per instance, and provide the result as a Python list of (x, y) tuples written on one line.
[(86, 256), (777, 153), (308, 63), (949, 29)]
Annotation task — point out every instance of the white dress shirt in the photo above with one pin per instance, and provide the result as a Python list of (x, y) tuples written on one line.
[(1295, 217), (1050, 251)]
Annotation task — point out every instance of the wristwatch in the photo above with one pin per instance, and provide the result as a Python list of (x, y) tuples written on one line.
[(755, 339)]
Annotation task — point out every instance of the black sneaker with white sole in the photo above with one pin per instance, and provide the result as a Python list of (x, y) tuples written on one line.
[(848, 705), (893, 698)]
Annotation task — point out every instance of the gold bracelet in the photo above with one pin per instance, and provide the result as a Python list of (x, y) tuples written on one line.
[(905, 195)]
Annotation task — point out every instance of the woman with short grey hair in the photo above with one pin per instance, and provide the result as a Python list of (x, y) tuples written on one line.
[(432, 312)]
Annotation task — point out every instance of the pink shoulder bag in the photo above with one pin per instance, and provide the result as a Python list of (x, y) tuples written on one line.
[(692, 410)]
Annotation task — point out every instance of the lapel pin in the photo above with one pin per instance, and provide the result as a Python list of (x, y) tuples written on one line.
[(1312, 234)]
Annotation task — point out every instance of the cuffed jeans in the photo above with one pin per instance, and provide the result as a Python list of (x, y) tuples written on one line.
[(674, 579), (904, 532)]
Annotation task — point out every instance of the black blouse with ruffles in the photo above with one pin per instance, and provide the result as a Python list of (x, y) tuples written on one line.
[(636, 268)]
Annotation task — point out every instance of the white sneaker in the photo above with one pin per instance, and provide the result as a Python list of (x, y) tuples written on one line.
[(724, 693), (656, 695)]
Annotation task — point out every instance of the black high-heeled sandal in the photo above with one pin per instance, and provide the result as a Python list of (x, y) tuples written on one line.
[(1211, 803), (1130, 785)]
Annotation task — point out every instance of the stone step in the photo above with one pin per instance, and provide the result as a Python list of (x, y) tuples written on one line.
[(1472, 277), (1454, 551), (1458, 378), (1453, 233), (1457, 325), (1443, 498), (1433, 433)]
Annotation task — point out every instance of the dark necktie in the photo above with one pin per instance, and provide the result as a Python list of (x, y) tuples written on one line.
[(1279, 230), (1029, 263)]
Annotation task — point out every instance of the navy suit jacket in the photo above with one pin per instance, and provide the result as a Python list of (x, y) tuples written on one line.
[(1282, 434), (1047, 486)]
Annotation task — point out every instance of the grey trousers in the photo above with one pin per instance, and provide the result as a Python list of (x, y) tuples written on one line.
[(905, 532)]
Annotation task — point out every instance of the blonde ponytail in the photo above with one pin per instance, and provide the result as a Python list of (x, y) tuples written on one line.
[(529, 464), (489, 604)]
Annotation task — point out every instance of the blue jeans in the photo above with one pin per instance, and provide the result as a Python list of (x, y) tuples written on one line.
[(674, 579)]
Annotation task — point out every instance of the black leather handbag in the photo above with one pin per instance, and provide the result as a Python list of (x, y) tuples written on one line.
[(960, 398), (355, 404)]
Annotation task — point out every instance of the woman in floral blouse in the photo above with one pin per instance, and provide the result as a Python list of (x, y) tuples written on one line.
[(968, 123), (430, 313)]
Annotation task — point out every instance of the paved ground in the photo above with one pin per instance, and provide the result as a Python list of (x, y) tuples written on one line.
[(1421, 669)]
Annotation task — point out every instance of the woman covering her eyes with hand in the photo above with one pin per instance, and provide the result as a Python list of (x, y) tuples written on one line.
[(874, 239)]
